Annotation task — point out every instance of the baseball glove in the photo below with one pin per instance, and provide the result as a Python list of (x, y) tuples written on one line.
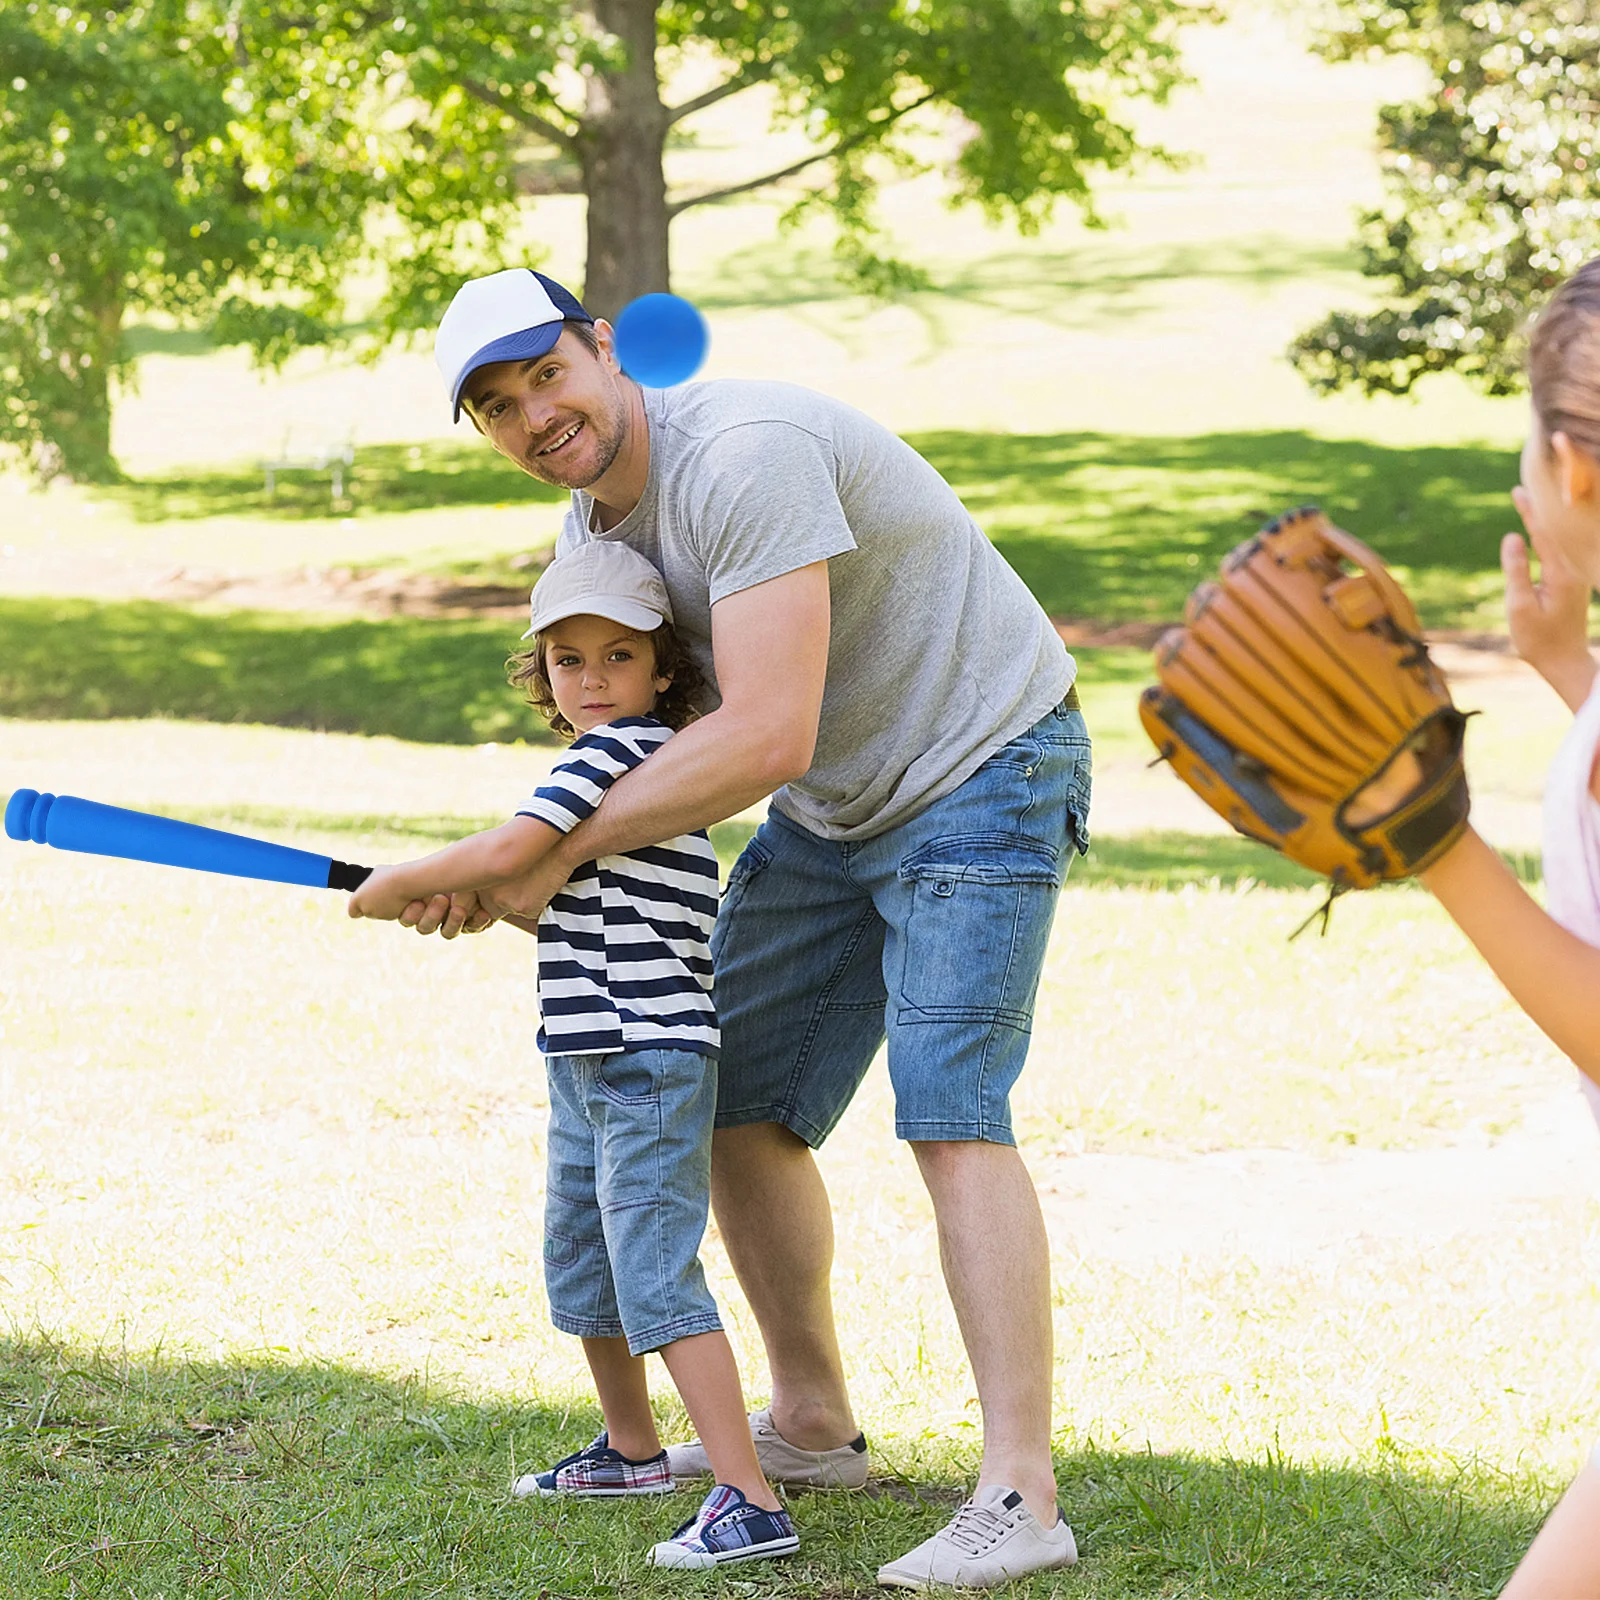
[(1299, 683)]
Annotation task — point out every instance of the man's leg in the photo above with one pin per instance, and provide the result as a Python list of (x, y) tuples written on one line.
[(996, 1262), (798, 950), (773, 1212)]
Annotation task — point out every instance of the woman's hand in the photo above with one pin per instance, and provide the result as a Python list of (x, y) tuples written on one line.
[(1548, 620)]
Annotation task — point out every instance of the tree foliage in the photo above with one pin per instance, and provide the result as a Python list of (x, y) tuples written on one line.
[(1491, 194), (241, 165)]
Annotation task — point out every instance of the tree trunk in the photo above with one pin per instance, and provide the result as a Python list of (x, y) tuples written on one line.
[(623, 141), (79, 438)]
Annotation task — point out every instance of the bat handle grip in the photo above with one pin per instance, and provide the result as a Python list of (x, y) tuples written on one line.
[(346, 875)]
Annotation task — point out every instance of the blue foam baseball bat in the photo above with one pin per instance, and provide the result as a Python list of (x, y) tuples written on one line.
[(85, 825)]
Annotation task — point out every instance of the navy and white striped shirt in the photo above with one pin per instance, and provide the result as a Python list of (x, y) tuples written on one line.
[(624, 948)]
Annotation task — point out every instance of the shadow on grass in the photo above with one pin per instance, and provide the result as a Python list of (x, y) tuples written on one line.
[(1122, 527), (438, 682), (1076, 289), (1110, 526), (1161, 861), (141, 1475), (385, 478), (1170, 860)]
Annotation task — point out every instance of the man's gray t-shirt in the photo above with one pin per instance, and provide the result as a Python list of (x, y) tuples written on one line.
[(938, 654)]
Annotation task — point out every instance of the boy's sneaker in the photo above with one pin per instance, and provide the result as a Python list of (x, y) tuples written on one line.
[(600, 1472), (992, 1539), (843, 1468), (725, 1529)]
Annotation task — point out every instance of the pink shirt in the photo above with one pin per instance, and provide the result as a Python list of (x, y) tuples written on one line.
[(1572, 839)]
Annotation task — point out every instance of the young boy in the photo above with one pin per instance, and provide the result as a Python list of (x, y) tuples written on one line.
[(629, 1031)]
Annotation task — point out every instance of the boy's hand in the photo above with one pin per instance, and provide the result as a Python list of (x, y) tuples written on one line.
[(1548, 620), (382, 897)]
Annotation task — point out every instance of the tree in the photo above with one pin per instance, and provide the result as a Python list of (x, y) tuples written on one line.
[(1490, 189), (232, 163), (1032, 80), (201, 162)]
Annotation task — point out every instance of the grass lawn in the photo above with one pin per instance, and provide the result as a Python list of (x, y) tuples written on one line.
[(269, 1222), (1322, 1214)]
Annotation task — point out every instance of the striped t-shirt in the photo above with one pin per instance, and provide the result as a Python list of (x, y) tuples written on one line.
[(625, 947)]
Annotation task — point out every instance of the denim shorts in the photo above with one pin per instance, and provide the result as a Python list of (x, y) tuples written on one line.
[(932, 935), (627, 1193)]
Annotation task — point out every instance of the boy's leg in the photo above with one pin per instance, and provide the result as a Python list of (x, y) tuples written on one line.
[(798, 950), (707, 1379), (624, 1390)]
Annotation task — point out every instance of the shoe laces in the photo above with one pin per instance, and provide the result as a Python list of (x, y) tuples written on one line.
[(975, 1528)]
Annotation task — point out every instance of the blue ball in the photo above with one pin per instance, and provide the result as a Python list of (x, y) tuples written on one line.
[(661, 340)]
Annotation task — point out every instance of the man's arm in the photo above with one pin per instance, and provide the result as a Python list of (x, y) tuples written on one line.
[(770, 646)]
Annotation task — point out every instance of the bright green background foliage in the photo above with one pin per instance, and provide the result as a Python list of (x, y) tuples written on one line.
[(1491, 198)]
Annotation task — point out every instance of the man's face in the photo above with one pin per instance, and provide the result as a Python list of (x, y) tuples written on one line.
[(562, 417)]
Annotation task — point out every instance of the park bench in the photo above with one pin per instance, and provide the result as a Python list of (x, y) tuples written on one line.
[(322, 455)]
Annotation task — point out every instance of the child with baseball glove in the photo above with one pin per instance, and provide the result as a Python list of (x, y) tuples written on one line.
[(629, 1032), (1299, 701), (1550, 961)]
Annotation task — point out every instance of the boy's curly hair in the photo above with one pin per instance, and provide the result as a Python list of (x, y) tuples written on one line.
[(674, 706)]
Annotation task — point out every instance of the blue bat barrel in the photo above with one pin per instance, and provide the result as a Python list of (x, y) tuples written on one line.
[(94, 829)]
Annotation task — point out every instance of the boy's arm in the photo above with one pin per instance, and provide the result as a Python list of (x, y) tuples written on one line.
[(474, 864), (1551, 973)]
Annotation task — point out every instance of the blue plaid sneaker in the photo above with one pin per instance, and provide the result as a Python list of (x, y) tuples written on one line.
[(600, 1472), (727, 1528)]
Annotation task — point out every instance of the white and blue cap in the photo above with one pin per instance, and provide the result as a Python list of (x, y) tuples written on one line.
[(508, 316), (601, 578)]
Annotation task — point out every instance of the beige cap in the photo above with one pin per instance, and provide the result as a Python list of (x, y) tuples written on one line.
[(602, 578)]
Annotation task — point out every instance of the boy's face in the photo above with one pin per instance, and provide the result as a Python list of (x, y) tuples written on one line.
[(562, 417), (600, 670)]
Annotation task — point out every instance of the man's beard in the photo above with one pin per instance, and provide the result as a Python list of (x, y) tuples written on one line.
[(605, 434)]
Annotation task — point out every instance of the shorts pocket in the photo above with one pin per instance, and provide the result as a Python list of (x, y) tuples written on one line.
[(753, 860), (630, 1078), (560, 1251), (981, 908)]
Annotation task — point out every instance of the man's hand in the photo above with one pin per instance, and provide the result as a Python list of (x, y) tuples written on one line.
[(447, 915), (1548, 620), (527, 896)]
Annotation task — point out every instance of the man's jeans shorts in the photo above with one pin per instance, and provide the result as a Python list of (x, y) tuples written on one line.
[(627, 1193), (932, 934)]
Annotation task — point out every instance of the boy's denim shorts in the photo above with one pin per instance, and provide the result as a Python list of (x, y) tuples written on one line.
[(626, 1196), (932, 935)]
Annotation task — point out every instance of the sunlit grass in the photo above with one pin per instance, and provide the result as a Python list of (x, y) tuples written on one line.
[(269, 1228)]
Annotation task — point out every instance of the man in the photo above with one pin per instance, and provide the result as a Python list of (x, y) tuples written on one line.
[(890, 682)]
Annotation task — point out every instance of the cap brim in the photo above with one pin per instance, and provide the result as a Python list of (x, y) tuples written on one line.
[(523, 345), (628, 612)]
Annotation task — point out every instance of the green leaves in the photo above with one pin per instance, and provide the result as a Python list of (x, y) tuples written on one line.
[(240, 164), (1491, 197)]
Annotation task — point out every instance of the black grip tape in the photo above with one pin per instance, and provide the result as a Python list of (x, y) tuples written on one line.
[(346, 875)]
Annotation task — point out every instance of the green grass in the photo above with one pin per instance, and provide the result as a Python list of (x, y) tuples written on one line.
[(437, 682), (152, 1477), (269, 1228), (1106, 526)]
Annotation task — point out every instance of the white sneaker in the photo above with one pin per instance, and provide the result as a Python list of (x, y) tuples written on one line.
[(843, 1468), (992, 1539)]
